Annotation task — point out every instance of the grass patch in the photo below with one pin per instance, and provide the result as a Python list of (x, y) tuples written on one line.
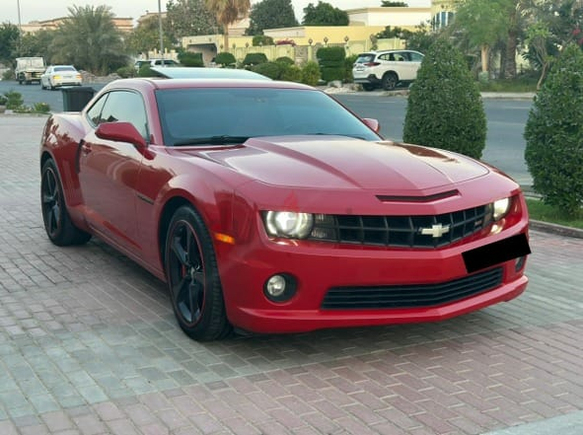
[(540, 211), (522, 84)]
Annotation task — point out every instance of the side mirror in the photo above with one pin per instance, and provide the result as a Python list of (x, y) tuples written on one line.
[(121, 132), (373, 124)]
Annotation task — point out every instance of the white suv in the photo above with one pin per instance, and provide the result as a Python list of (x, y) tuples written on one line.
[(386, 68), (154, 62)]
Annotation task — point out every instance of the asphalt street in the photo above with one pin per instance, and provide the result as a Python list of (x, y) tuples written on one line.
[(89, 346)]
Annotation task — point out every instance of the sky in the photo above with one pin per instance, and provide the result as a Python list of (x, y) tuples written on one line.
[(31, 10)]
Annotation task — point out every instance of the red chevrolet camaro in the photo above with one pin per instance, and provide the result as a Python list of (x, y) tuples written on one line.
[(269, 207)]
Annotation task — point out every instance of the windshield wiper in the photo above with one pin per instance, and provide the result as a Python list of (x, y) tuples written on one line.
[(213, 140)]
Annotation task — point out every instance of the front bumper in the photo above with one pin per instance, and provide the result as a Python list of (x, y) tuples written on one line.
[(318, 267)]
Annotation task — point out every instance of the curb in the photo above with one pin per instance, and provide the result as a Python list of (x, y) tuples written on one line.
[(560, 230)]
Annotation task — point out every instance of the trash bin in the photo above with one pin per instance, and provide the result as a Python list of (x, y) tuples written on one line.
[(76, 97)]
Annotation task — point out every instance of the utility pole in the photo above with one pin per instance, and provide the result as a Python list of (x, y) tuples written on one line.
[(160, 26), (19, 28)]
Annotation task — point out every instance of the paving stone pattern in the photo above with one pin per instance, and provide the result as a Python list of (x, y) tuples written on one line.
[(89, 345)]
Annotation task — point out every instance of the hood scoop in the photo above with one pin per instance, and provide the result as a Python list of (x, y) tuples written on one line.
[(427, 198)]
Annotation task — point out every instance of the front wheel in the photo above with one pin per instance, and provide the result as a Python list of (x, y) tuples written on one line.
[(56, 219), (368, 87), (193, 277)]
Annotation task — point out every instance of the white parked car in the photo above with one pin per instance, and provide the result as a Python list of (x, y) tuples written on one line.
[(386, 68), (60, 75), (154, 63)]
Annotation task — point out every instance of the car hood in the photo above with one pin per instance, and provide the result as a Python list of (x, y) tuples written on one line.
[(338, 162)]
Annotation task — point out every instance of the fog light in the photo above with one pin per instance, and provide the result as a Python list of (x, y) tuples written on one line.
[(280, 287), (519, 263)]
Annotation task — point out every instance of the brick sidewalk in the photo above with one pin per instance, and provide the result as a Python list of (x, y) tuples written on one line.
[(89, 345)]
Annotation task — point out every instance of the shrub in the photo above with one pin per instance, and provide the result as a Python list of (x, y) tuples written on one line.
[(288, 61), (126, 71), (261, 40), (554, 136), (291, 73), (444, 108), (14, 100), (146, 71), (41, 108), (225, 59), (8, 75), (190, 59), (254, 59), (331, 61), (348, 64), (3, 100), (311, 74), (269, 69)]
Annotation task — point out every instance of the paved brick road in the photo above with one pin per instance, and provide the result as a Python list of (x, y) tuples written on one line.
[(88, 345)]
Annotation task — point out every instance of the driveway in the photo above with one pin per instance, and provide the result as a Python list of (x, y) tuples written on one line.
[(89, 345)]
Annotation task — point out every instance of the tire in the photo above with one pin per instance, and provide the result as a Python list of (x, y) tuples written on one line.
[(56, 219), (368, 87), (390, 81), (193, 277)]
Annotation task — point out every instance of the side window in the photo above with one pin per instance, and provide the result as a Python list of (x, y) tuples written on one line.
[(94, 113), (416, 57), (126, 106)]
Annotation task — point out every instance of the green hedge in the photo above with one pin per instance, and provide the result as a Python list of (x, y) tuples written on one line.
[(254, 59), (444, 108), (331, 61), (191, 59), (225, 59), (554, 134)]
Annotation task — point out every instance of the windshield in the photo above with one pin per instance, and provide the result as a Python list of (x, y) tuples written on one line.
[(201, 115)]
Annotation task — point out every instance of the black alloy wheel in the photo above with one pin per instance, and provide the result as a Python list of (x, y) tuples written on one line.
[(57, 222), (193, 278)]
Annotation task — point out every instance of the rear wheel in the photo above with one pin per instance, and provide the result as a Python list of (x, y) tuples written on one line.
[(390, 81), (193, 277), (56, 219)]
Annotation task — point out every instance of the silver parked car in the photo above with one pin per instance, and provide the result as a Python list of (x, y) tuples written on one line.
[(60, 75), (386, 68)]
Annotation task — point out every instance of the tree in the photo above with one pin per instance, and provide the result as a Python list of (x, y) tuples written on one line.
[(89, 39), (227, 12), (390, 4), (324, 14), (38, 44), (271, 14), (146, 36), (189, 18), (483, 24), (8, 42), (555, 25), (444, 108), (554, 137)]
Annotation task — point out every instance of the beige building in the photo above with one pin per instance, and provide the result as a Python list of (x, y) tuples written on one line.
[(123, 24)]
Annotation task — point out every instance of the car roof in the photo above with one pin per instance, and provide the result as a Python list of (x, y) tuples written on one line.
[(164, 83), (207, 73)]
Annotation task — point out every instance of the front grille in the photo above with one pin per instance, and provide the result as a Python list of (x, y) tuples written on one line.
[(431, 231), (411, 296)]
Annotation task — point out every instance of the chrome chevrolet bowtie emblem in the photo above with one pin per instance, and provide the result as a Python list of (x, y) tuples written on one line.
[(435, 230)]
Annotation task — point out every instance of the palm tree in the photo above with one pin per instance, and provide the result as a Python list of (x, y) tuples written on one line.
[(227, 12), (88, 39)]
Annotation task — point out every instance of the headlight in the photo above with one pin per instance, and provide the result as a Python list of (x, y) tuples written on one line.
[(288, 224), (500, 208)]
